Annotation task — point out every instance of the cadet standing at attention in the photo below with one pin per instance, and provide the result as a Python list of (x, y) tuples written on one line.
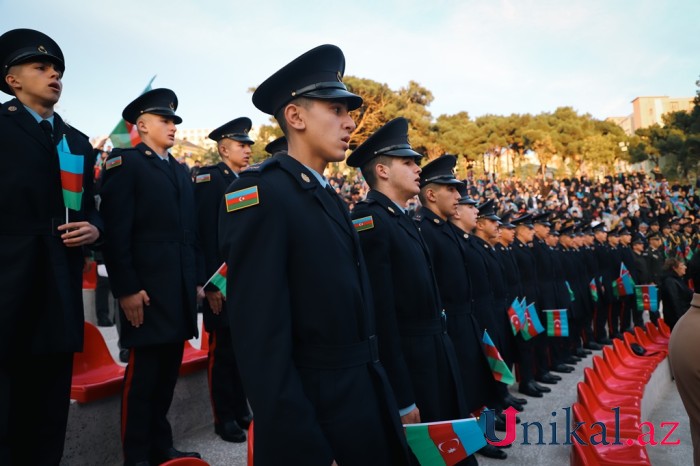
[(231, 413), (299, 298), (150, 252), (413, 343), (46, 221)]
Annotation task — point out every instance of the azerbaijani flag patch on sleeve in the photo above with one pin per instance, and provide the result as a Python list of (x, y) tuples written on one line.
[(115, 162), (203, 178), (241, 199), (364, 223)]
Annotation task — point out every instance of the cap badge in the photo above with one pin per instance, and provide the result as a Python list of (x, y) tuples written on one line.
[(339, 76), (41, 49), (172, 106), (305, 177)]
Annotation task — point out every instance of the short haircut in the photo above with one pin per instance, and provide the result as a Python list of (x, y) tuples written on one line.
[(368, 171), (279, 116)]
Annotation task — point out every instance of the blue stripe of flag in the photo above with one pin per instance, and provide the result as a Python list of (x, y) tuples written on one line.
[(469, 434), (71, 163)]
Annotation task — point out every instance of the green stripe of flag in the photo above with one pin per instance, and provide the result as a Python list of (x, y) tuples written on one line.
[(423, 447), (72, 200), (219, 281)]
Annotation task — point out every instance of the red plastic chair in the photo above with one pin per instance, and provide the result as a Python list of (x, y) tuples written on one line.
[(601, 367), (185, 462), (631, 412), (604, 455), (648, 343), (592, 379), (629, 417), (622, 370), (193, 359), (582, 414), (655, 334), (250, 443), (95, 373), (663, 327), (628, 357), (629, 339), (90, 275)]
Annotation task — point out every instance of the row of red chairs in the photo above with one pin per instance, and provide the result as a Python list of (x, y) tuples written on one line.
[(617, 380), (96, 375)]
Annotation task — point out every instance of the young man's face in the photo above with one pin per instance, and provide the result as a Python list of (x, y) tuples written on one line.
[(525, 234), (236, 153), (489, 228), (467, 216), (446, 199), (507, 235), (327, 128), (36, 82), (158, 129), (404, 176)]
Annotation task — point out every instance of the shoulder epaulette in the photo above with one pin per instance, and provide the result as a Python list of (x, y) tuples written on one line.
[(258, 168)]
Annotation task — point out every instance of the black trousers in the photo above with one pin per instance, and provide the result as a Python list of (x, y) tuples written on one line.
[(149, 384), (34, 402), (228, 399), (602, 313)]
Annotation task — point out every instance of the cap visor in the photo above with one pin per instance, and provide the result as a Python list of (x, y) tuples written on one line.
[(354, 101)]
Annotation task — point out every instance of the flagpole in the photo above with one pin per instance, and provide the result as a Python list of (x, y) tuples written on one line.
[(214, 275)]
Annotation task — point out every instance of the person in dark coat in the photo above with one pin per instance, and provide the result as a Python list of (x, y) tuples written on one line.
[(150, 231), (604, 280), (442, 207), (674, 292), (298, 294), (42, 237), (414, 345), (228, 399)]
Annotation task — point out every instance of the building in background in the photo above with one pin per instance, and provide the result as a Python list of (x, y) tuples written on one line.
[(649, 110)]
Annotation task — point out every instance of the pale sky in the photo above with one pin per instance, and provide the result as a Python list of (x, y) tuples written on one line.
[(480, 56)]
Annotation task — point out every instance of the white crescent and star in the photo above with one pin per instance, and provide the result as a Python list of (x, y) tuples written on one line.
[(450, 449)]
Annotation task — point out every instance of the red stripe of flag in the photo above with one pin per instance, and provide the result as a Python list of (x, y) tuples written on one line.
[(447, 443), (71, 181)]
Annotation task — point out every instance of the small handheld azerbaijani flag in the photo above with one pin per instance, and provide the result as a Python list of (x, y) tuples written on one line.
[(71, 175), (647, 298), (444, 443), (241, 199), (125, 135), (623, 285), (516, 323), (499, 368), (557, 323), (219, 278), (594, 290), (533, 326), (364, 223), (572, 296)]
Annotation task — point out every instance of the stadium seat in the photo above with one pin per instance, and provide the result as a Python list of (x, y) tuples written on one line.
[(185, 462), (604, 455), (650, 345), (195, 359), (95, 373), (629, 418), (621, 370), (628, 357), (663, 327), (613, 380), (250, 443), (90, 275), (655, 335), (592, 379)]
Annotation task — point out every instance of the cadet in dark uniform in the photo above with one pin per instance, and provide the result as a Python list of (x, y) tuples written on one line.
[(299, 298), (604, 280), (150, 252), (228, 399), (41, 251), (278, 145), (440, 199), (414, 346), (655, 260)]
